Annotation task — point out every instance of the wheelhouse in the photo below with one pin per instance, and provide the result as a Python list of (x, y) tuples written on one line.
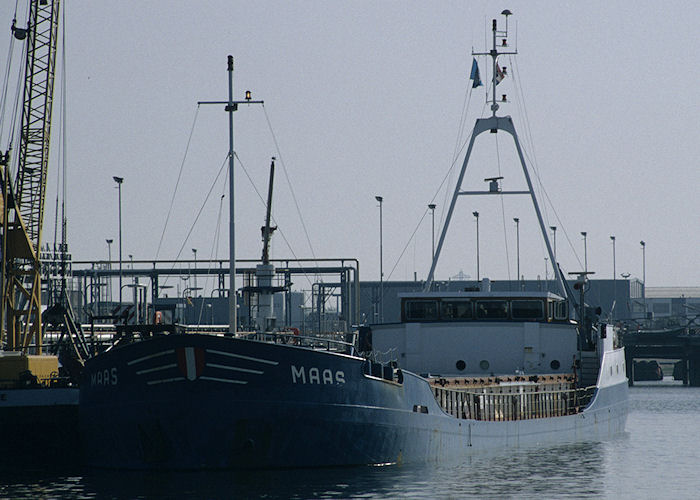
[(525, 306)]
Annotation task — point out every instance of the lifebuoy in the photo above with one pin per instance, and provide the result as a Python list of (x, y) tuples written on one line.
[(294, 340)]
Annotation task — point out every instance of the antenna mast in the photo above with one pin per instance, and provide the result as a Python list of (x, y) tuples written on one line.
[(493, 124), (497, 74)]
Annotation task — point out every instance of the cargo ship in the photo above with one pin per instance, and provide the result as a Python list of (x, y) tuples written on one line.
[(460, 373)]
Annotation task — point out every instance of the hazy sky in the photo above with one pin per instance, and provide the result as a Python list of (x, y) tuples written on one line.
[(365, 98)]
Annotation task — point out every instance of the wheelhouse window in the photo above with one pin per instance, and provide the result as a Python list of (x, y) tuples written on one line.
[(421, 310), (561, 310), (492, 309), (455, 309), (527, 309)]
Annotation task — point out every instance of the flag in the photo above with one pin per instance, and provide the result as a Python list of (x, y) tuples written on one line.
[(500, 74), (475, 75)]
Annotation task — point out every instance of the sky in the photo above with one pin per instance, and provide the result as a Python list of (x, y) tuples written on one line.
[(365, 99)]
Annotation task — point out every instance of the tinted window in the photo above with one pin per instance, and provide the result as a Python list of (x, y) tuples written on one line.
[(527, 309), (561, 310), (455, 309), (420, 310), (492, 309)]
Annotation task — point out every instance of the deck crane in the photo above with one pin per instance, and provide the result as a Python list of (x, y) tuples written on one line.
[(23, 194)]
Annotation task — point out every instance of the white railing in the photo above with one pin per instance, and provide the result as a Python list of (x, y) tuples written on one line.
[(519, 403)]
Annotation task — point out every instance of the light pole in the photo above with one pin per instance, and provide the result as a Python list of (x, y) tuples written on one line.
[(612, 238), (119, 181), (109, 266), (109, 252), (194, 251), (585, 251), (476, 216), (431, 206), (381, 264), (517, 242), (554, 237), (644, 272)]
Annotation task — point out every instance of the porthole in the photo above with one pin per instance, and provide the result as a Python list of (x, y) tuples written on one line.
[(461, 365), (484, 365), (555, 364)]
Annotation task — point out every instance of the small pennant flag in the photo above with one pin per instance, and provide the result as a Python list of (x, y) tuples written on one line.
[(500, 74), (475, 75)]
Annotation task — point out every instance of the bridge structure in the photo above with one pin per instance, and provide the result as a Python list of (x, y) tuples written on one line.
[(680, 344)]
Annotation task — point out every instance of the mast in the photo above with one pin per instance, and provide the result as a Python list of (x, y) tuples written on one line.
[(493, 124), (232, 302), (231, 107)]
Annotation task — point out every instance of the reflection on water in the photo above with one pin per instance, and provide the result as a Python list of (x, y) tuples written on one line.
[(654, 458), (557, 471)]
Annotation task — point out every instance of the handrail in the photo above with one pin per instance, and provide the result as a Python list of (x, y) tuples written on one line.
[(481, 404), (326, 342)]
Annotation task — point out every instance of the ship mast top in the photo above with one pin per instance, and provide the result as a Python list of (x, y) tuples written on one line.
[(497, 73)]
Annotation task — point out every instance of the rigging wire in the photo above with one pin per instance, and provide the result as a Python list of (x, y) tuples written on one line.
[(177, 183), (199, 213), (408, 243), (212, 252), (533, 162), (6, 77), (6, 83), (503, 209), (529, 143)]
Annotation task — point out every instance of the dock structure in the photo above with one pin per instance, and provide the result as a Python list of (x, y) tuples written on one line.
[(677, 344)]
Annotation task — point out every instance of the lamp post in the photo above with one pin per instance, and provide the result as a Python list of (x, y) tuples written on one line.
[(381, 264), (517, 242), (612, 238), (109, 252), (194, 251), (109, 266), (431, 206), (119, 181), (644, 271), (585, 251), (476, 216)]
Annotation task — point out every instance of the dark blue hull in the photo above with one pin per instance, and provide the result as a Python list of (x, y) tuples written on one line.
[(199, 401)]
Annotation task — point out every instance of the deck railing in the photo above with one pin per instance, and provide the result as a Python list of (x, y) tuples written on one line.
[(336, 342), (520, 403)]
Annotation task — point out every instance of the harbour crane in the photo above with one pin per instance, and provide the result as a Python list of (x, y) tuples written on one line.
[(24, 188)]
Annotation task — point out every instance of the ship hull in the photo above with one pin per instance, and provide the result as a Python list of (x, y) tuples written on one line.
[(198, 401)]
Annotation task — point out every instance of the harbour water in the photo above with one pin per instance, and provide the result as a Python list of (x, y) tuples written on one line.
[(656, 458)]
